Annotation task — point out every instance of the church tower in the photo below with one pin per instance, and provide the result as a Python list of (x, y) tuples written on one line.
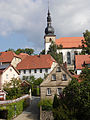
[(49, 33)]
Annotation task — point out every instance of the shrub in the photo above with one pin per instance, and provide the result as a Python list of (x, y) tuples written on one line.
[(46, 104), (14, 109)]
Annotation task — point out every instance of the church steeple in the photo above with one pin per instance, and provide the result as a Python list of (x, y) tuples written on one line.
[(49, 30)]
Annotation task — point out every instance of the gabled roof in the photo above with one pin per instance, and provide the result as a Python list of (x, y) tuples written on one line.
[(3, 70), (23, 55), (7, 56), (58, 82), (36, 62), (80, 59), (70, 42)]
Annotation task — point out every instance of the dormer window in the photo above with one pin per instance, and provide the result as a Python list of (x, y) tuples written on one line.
[(53, 77), (64, 77), (58, 69)]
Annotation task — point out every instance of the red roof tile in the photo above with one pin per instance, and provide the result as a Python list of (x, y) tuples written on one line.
[(80, 59), (36, 62), (7, 56), (23, 55), (70, 42)]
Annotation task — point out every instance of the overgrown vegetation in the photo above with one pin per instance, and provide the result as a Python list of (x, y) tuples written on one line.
[(75, 102), (46, 104), (34, 83), (86, 43), (15, 89)]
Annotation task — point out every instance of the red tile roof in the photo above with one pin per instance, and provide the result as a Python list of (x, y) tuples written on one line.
[(7, 56), (36, 62), (80, 59), (70, 42), (23, 55)]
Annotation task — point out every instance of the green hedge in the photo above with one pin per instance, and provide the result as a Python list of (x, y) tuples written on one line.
[(12, 111), (46, 104)]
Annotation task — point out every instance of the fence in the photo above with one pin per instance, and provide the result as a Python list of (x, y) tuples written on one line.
[(12, 101)]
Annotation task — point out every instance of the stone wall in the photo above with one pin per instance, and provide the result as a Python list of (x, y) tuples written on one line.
[(46, 115)]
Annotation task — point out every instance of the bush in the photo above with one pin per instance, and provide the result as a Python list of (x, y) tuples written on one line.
[(46, 104), (14, 109)]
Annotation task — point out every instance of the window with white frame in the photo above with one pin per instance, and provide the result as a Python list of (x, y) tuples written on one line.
[(58, 69), (40, 70), (59, 91), (53, 77), (6, 76), (46, 70), (10, 70), (48, 91), (29, 71), (35, 71), (64, 77), (13, 75), (24, 71)]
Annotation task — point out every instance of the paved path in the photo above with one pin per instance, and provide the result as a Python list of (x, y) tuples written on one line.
[(32, 112)]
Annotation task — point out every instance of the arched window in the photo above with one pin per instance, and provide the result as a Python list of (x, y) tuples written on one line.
[(68, 58), (50, 40)]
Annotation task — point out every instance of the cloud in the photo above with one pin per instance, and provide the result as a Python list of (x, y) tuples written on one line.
[(69, 18)]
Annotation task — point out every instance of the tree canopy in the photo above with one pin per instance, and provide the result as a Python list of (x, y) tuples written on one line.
[(26, 50), (75, 103), (53, 52), (86, 43)]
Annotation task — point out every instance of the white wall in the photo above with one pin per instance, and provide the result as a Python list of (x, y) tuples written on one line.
[(64, 51), (78, 72), (15, 61), (47, 45), (8, 74), (38, 74)]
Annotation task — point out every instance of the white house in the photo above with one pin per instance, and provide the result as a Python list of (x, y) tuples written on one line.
[(37, 66), (9, 57), (80, 62), (71, 46), (6, 74)]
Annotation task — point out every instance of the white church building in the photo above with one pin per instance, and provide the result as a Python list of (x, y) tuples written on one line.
[(71, 46)]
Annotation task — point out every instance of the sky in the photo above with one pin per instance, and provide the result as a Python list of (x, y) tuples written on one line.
[(23, 22)]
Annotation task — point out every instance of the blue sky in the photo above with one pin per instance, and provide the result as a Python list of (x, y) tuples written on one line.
[(22, 22)]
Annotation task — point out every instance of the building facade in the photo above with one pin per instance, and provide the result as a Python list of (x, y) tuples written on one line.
[(6, 74), (37, 66), (55, 82), (81, 61), (71, 46)]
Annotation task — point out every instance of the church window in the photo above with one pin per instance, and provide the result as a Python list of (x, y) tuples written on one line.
[(50, 40), (68, 58)]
